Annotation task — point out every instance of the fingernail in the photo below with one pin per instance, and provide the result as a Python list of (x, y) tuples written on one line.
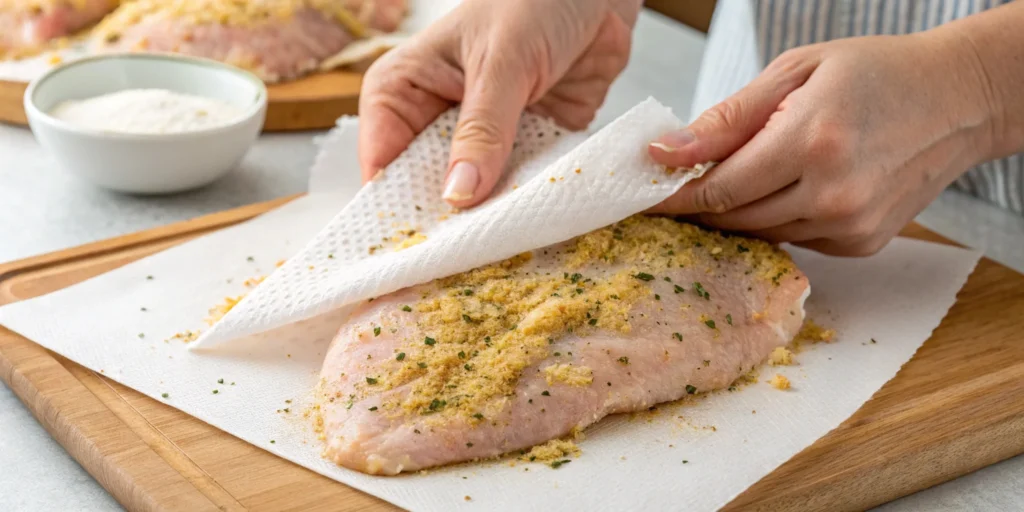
[(675, 140), (462, 182)]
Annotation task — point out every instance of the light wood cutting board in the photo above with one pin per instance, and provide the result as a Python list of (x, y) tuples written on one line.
[(957, 406)]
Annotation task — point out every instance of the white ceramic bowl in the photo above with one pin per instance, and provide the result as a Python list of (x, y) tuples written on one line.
[(144, 163)]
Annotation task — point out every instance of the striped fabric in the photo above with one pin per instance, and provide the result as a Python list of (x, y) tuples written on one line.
[(746, 35)]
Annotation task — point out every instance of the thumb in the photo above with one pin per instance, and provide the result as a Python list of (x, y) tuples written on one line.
[(492, 104), (727, 126)]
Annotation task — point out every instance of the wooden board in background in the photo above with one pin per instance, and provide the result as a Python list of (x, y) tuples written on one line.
[(957, 406), (11, 109), (317, 101), (311, 103), (695, 13)]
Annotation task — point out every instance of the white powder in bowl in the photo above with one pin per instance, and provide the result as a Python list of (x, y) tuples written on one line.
[(147, 111)]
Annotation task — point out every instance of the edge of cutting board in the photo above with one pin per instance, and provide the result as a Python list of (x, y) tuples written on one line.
[(311, 103), (928, 425)]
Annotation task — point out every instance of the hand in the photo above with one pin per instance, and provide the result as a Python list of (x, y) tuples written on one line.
[(836, 146), (558, 57)]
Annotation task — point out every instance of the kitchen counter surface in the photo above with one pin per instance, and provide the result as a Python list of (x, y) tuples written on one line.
[(46, 210)]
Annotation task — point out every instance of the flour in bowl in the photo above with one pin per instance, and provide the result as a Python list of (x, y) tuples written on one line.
[(148, 111)]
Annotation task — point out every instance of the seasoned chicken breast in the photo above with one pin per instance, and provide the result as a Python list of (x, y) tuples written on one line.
[(515, 354), (26, 25), (275, 39)]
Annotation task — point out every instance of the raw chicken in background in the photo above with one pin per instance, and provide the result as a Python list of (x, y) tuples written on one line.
[(516, 354), (276, 39), (27, 25)]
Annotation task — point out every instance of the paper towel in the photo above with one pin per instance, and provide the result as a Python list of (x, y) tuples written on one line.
[(896, 297), (547, 196)]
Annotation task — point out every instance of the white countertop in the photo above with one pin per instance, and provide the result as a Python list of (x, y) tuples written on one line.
[(44, 210)]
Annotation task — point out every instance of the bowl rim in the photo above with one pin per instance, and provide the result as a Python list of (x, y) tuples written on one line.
[(258, 105)]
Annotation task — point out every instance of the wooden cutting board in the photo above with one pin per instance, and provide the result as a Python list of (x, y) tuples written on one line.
[(957, 406), (311, 103)]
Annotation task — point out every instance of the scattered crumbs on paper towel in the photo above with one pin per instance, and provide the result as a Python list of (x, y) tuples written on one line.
[(811, 333), (184, 337), (555, 451), (253, 281), (217, 312), (779, 381)]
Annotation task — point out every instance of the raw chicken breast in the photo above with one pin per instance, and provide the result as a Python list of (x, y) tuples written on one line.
[(26, 25), (515, 354), (275, 39)]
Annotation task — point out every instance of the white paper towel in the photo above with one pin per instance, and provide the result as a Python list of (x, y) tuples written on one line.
[(896, 298), (547, 196)]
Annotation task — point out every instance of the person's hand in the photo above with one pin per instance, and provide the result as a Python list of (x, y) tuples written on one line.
[(557, 57), (837, 146)]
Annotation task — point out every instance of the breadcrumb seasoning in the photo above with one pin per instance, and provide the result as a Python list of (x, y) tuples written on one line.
[(779, 381), (487, 326), (811, 333), (227, 13), (551, 451), (217, 312), (569, 374), (781, 356), (413, 239)]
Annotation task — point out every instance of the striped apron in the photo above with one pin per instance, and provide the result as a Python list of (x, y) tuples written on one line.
[(746, 35)]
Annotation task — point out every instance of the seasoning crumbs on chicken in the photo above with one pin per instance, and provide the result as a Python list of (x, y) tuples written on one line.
[(569, 374)]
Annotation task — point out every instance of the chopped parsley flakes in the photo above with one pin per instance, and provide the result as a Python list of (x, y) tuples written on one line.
[(701, 292)]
